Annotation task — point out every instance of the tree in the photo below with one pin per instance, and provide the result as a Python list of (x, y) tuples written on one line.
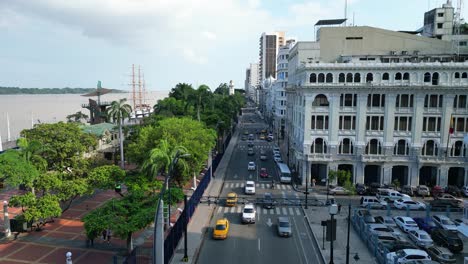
[(183, 92), (118, 111), (15, 170), (170, 107), (77, 117), (223, 89), (37, 209), (200, 97)]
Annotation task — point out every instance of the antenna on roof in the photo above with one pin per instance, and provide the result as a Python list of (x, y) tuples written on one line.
[(346, 10)]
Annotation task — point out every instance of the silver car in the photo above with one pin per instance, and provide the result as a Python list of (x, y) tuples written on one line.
[(284, 226)]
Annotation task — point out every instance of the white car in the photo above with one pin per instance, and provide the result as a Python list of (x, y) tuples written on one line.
[(407, 256), (374, 228), (277, 158), (338, 190), (421, 238), (249, 187), (444, 222), (406, 223), (251, 166), (248, 214), (407, 203)]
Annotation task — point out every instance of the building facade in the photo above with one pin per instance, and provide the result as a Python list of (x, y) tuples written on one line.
[(269, 45)]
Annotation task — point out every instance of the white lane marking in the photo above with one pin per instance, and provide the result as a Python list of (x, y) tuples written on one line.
[(219, 209), (298, 212), (237, 185), (232, 209), (258, 213), (300, 242), (259, 244), (238, 210), (283, 194), (285, 212), (291, 212), (278, 212), (264, 211)]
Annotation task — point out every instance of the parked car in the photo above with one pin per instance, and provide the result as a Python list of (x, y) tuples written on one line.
[(221, 229), (361, 189), (375, 228), (249, 187), (444, 222), (251, 166), (447, 239), (447, 196), (406, 223), (392, 246), (436, 191), (460, 221), (268, 201), (374, 188), (365, 215), (441, 254), (385, 236), (425, 224), (386, 220), (248, 215), (408, 190), (284, 226), (421, 238), (410, 204), (453, 190), (231, 199), (244, 137), (263, 173), (390, 195), (422, 190), (372, 202), (443, 203), (407, 255), (338, 190), (465, 191)]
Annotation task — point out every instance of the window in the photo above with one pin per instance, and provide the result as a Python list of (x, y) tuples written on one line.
[(403, 123), (321, 78), (348, 100), (347, 122), (319, 122), (398, 76), (457, 75), (404, 100), (320, 100), (369, 77), (463, 43), (427, 77), (435, 78), (349, 77), (319, 146), (357, 77), (329, 78), (313, 78), (346, 146), (458, 149), (430, 148), (440, 14), (460, 124), (374, 147), (375, 123), (431, 124), (406, 76), (464, 75), (433, 100), (459, 101), (341, 78), (385, 76), (376, 100), (401, 148), (440, 25)]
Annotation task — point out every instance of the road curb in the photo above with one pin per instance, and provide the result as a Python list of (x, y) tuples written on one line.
[(312, 232)]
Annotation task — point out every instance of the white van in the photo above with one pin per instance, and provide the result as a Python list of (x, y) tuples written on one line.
[(391, 195), (372, 202)]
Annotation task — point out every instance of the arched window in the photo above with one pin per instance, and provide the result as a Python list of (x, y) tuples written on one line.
[(349, 77), (458, 149), (374, 147), (357, 78), (320, 100), (435, 78), (398, 76), (406, 76), (341, 78), (464, 75), (430, 148), (346, 146), (369, 77), (319, 146), (457, 75), (321, 78), (329, 78), (427, 77), (385, 76), (401, 148), (313, 78)]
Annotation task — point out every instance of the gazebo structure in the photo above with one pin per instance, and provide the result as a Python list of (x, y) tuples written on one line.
[(97, 108)]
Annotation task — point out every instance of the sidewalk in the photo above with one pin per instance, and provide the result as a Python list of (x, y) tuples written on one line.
[(204, 212)]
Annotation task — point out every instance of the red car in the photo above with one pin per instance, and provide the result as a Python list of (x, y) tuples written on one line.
[(437, 190), (263, 173)]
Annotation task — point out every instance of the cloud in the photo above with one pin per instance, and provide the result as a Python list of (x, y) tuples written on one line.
[(190, 55), (209, 35)]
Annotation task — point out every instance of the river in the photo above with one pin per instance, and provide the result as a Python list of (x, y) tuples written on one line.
[(24, 110)]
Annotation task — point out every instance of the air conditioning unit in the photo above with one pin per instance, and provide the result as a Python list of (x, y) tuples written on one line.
[(392, 52)]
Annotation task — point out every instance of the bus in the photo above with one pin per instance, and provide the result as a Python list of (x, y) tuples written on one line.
[(284, 173)]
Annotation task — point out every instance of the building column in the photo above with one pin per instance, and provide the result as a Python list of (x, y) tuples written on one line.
[(442, 175), (387, 174), (333, 127), (360, 143), (466, 176), (332, 167), (417, 126), (414, 174), (447, 107), (389, 123), (304, 171), (359, 172)]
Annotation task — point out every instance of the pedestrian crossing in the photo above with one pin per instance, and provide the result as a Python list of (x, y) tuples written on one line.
[(291, 211), (258, 185), (245, 147)]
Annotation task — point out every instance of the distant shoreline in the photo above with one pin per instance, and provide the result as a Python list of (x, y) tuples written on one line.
[(66, 90)]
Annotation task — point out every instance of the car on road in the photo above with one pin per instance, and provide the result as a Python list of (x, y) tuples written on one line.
[(263, 173), (410, 204), (249, 187), (268, 201), (361, 189), (250, 152), (277, 158), (221, 229), (250, 143), (444, 222), (251, 137), (422, 190), (406, 223), (270, 137), (373, 188), (338, 190), (436, 191), (386, 220), (246, 132), (425, 224), (262, 136), (441, 254), (284, 226), (447, 239), (453, 190), (372, 202), (365, 215), (446, 196), (231, 199), (244, 137), (421, 238), (248, 215), (443, 203), (251, 166), (407, 256), (263, 155), (390, 195)]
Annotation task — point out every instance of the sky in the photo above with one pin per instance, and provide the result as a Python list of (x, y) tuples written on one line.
[(75, 43)]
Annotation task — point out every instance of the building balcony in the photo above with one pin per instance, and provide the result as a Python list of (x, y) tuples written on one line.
[(431, 159), (373, 158), (320, 157)]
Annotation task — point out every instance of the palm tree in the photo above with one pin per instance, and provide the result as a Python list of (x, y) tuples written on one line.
[(118, 111), (201, 97)]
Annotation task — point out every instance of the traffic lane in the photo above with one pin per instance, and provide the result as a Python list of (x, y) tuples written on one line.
[(241, 245)]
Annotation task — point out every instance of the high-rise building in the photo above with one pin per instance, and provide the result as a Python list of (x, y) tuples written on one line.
[(269, 45), (251, 82)]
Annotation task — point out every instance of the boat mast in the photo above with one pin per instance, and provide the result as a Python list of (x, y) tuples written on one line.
[(139, 88), (133, 87), (8, 127)]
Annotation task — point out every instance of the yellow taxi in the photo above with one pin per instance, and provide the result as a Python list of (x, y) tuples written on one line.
[(221, 229), (231, 199)]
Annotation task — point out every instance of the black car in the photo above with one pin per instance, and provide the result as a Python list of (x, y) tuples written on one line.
[(453, 190), (361, 189), (441, 254), (447, 239), (366, 216), (374, 188), (268, 201), (443, 203)]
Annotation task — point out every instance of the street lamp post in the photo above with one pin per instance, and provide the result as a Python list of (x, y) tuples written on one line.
[(307, 180), (68, 257), (349, 224), (6, 218), (333, 210)]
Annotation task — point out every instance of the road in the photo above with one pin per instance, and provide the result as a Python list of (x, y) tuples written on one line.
[(259, 242)]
